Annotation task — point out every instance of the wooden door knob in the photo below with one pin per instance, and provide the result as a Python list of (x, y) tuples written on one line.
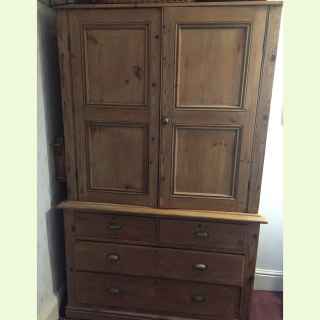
[(165, 120)]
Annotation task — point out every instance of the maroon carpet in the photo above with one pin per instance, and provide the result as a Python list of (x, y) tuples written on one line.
[(266, 305)]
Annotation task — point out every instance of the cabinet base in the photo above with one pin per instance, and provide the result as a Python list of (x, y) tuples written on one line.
[(80, 313)]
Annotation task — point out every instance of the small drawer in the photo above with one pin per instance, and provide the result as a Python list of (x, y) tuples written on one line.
[(113, 258), (214, 235), (102, 226), (218, 268), (150, 295)]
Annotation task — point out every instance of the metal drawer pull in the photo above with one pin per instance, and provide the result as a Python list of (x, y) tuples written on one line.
[(113, 258), (200, 266), (114, 226), (114, 291), (201, 234), (198, 298)]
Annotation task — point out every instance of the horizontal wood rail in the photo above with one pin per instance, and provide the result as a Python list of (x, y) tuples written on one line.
[(197, 214)]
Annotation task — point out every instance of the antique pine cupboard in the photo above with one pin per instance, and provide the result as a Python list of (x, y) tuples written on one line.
[(165, 108)]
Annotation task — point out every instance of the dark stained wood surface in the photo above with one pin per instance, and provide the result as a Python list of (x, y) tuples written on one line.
[(146, 294), (180, 264), (266, 305), (114, 227), (252, 236), (203, 235)]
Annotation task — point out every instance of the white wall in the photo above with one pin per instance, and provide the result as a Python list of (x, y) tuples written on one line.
[(50, 247), (269, 263)]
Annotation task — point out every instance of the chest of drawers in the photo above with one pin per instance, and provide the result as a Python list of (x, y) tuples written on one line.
[(126, 264)]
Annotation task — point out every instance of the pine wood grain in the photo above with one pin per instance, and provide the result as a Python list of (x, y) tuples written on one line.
[(129, 209)]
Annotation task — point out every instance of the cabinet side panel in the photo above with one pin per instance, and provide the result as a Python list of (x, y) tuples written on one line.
[(69, 231), (251, 257), (262, 115), (67, 102)]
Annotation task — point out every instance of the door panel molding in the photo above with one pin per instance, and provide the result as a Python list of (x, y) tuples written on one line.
[(117, 167), (140, 73), (245, 57), (234, 163)]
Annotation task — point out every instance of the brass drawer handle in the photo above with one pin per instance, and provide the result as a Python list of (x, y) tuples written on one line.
[(200, 266), (201, 234), (198, 298), (113, 258), (115, 226), (114, 291)]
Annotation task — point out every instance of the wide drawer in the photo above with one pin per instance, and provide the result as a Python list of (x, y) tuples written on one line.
[(166, 296), (214, 235), (105, 227), (160, 262)]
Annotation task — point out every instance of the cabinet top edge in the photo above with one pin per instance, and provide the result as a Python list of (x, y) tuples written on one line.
[(171, 4), (183, 213)]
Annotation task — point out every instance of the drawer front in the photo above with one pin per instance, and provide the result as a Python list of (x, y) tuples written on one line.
[(157, 295), (160, 262), (102, 257), (202, 266), (116, 227), (203, 234)]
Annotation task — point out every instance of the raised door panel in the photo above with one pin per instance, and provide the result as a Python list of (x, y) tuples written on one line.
[(212, 71), (205, 161), (116, 72), (120, 151), (211, 65)]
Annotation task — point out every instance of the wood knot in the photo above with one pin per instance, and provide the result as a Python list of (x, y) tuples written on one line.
[(137, 71)]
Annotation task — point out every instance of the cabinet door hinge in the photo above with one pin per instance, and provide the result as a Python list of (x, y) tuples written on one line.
[(69, 43), (249, 185), (77, 180)]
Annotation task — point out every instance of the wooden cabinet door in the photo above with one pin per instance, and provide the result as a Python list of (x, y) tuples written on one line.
[(212, 61), (115, 62)]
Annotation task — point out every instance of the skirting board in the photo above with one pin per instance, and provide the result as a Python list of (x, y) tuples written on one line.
[(268, 280), (50, 311)]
